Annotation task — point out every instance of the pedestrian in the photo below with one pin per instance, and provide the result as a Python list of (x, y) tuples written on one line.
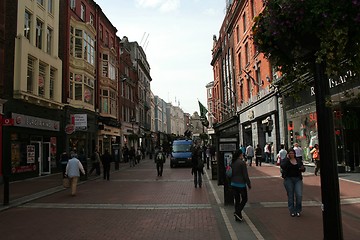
[(73, 169), (64, 158), (138, 155), (281, 155), (197, 166), (316, 157), (132, 157), (267, 151), (95, 163), (208, 156), (298, 152), (243, 150), (258, 155), (239, 182), (249, 154), (106, 160), (159, 160), (292, 170), (126, 153)]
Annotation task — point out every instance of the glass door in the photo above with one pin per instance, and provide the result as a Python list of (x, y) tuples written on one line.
[(38, 154), (46, 158)]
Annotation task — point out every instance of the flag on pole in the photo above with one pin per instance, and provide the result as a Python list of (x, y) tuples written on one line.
[(203, 110)]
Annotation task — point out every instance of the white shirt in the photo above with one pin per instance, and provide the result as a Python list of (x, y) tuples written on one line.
[(298, 152)]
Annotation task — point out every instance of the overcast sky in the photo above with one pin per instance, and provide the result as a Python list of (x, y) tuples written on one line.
[(177, 38)]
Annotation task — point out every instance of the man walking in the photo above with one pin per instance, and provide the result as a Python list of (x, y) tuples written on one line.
[(160, 159), (249, 154), (106, 161)]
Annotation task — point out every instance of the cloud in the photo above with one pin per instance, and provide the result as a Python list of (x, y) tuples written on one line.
[(162, 5)]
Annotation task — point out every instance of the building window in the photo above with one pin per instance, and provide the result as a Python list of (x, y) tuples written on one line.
[(78, 87), (89, 49), (106, 39), (258, 78), (249, 87), (105, 101), (30, 74), (83, 12), (105, 65), (39, 33), (50, 6), (237, 34), (253, 9), (91, 19), (101, 32), (247, 57), (244, 22), (42, 79), (52, 82), (240, 63), (112, 68), (81, 88), (41, 2), (78, 43), (27, 25), (49, 35)]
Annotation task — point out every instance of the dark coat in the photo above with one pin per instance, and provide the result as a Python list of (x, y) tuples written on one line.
[(106, 159)]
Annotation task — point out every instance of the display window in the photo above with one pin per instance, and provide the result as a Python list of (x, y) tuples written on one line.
[(302, 129)]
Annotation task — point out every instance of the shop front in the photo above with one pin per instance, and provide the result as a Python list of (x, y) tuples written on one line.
[(80, 130), (30, 142), (260, 123), (302, 124)]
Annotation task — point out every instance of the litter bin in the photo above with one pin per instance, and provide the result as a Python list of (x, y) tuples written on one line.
[(214, 174)]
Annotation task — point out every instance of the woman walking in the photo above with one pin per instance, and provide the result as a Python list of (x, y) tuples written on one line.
[(292, 170), (239, 180)]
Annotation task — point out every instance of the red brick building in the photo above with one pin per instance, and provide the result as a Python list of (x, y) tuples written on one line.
[(243, 76)]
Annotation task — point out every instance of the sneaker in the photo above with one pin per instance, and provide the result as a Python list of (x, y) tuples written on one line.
[(293, 214), (237, 217), (298, 214)]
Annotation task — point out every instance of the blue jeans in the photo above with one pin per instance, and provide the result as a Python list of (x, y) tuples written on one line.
[(197, 178), (294, 188)]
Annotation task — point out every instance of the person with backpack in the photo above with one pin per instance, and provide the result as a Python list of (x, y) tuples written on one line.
[(159, 160), (197, 166)]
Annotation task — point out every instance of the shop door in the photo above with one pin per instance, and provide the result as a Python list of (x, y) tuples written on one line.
[(42, 156), (37, 153), (46, 160)]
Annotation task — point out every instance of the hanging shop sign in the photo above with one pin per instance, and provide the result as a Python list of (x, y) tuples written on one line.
[(79, 121)]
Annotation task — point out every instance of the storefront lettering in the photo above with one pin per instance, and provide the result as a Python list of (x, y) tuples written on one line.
[(334, 83)]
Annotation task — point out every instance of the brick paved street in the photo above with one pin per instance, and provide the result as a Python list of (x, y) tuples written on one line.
[(136, 204)]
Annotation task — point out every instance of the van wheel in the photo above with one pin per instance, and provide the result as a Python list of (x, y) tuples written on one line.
[(171, 165)]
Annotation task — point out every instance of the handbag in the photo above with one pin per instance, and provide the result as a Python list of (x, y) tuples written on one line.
[(66, 182)]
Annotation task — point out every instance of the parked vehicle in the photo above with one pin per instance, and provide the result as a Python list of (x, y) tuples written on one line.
[(181, 153)]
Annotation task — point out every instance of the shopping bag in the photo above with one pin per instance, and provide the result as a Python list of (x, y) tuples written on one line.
[(66, 182)]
